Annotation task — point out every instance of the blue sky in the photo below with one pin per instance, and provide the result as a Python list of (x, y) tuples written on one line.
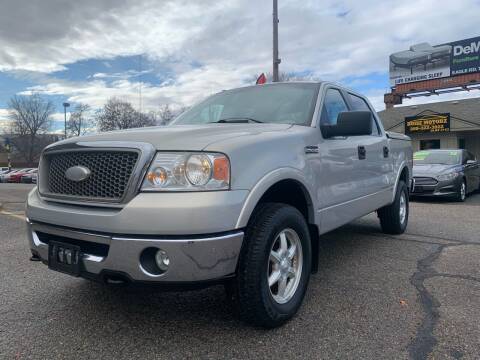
[(177, 52)]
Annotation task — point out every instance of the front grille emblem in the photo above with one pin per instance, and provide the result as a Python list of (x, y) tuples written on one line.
[(77, 173)]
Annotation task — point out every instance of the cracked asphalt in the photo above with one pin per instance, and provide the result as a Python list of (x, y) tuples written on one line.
[(375, 296)]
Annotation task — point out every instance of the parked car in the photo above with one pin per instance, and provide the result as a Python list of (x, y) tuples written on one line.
[(28, 177), (4, 170), (16, 177), (235, 191), (450, 173), (6, 175)]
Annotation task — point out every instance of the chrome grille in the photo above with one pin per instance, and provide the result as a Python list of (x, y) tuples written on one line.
[(425, 181), (110, 170)]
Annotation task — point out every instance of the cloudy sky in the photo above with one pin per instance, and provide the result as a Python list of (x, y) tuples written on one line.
[(179, 51)]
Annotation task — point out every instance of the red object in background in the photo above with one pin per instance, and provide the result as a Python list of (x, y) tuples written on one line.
[(16, 177), (262, 79)]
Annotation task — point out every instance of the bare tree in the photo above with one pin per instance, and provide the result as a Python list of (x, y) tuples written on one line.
[(165, 114), (31, 116), (117, 115), (80, 122)]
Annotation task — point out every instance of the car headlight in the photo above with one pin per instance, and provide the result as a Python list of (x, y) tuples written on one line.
[(188, 171), (447, 177)]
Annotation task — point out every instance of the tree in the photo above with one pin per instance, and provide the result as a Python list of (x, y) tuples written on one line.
[(117, 115), (31, 116), (80, 122), (165, 114)]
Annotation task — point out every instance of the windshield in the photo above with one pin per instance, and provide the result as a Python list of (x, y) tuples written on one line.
[(447, 157), (292, 103)]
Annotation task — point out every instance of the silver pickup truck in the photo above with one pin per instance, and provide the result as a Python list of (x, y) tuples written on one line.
[(237, 190)]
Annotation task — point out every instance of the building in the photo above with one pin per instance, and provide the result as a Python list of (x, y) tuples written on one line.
[(441, 125)]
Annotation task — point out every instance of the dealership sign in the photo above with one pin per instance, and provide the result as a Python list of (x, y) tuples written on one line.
[(432, 123), (426, 62)]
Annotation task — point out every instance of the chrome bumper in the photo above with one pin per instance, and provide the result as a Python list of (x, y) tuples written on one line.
[(192, 258)]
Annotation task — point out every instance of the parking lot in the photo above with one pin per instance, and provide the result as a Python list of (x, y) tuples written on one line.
[(375, 296)]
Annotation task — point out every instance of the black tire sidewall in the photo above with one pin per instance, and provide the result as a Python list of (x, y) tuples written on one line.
[(459, 194), (270, 220), (294, 303), (403, 189)]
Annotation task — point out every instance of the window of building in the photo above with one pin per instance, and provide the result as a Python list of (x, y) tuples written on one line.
[(429, 144), (461, 143)]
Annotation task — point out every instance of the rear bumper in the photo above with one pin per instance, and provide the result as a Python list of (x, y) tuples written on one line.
[(192, 258)]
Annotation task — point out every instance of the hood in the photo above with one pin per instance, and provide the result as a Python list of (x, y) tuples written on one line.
[(429, 170), (182, 137)]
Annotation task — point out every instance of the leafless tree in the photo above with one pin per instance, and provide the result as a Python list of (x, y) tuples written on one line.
[(118, 114), (31, 117), (165, 115), (80, 122)]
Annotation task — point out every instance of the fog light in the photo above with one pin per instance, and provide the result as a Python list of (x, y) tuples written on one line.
[(162, 260)]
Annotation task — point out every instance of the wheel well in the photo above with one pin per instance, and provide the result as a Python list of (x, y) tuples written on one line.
[(404, 176), (290, 192), (293, 193)]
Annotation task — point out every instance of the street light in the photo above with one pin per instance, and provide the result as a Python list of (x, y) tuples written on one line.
[(65, 105)]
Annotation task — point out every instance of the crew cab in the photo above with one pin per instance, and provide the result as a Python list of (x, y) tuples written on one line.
[(237, 190)]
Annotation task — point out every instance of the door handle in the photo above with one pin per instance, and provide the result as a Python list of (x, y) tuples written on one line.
[(362, 152), (386, 151)]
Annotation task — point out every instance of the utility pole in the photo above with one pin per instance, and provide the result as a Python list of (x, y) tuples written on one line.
[(65, 105), (276, 60)]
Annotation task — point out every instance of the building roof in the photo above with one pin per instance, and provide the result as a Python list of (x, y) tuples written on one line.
[(464, 113)]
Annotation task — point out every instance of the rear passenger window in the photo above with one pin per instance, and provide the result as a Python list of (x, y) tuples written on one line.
[(359, 104), (333, 105)]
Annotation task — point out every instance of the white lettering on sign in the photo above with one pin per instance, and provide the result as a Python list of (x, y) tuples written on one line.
[(474, 47)]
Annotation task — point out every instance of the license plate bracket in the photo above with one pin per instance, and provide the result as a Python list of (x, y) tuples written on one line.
[(64, 258)]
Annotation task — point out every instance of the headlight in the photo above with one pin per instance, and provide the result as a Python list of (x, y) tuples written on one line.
[(448, 176), (188, 172)]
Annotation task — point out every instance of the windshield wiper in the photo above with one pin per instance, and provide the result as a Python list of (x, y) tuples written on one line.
[(238, 120)]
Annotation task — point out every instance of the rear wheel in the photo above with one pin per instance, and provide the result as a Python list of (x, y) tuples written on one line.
[(461, 192), (274, 267), (394, 217)]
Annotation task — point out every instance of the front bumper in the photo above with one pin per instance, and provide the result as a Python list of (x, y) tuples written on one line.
[(441, 188), (192, 258)]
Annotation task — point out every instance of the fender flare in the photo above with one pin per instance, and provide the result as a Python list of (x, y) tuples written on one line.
[(265, 183), (403, 165)]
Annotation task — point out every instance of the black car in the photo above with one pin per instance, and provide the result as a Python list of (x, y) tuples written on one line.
[(453, 173)]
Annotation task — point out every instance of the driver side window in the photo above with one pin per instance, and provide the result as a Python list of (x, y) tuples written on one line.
[(333, 105)]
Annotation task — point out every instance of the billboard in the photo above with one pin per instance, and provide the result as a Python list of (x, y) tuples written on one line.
[(426, 62), (432, 123)]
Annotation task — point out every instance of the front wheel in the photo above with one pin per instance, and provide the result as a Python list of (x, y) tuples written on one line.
[(461, 192), (394, 217), (274, 267)]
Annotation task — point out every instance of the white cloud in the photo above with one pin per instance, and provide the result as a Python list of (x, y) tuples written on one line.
[(231, 40)]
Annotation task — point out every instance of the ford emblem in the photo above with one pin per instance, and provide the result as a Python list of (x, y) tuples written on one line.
[(77, 173)]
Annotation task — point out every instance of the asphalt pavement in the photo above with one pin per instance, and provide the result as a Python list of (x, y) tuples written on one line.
[(375, 297)]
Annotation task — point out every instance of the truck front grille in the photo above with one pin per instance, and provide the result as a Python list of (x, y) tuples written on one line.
[(110, 170)]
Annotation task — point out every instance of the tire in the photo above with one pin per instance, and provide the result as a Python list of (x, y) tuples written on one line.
[(461, 192), (392, 219), (258, 303)]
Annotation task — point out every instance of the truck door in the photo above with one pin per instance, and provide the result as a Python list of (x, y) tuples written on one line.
[(378, 164), (351, 169)]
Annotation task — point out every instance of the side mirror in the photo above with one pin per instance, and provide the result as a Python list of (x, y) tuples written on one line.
[(349, 123)]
